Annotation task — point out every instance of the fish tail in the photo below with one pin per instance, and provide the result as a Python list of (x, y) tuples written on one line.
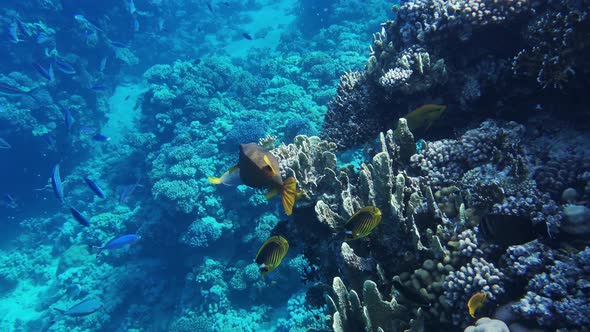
[(214, 180), (100, 249), (288, 194), (59, 310)]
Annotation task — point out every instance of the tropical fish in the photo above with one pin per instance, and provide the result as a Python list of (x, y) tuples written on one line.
[(48, 139), (101, 138), (68, 120), (46, 73), (23, 27), (83, 20), (271, 253), (131, 6), (94, 187), (43, 38), (118, 44), (424, 116), (127, 191), (260, 169), (87, 130), (124, 241), (103, 64), (79, 217), (56, 184), (209, 6), (98, 88), (4, 145), (13, 33), (229, 178), (507, 230), (475, 302), (362, 223), (64, 66), (9, 90), (247, 36), (83, 308), (135, 24), (9, 201)]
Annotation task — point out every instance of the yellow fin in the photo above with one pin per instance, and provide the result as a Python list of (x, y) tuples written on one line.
[(214, 180), (233, 169), (271, 193), (267, 161), (288, 195)]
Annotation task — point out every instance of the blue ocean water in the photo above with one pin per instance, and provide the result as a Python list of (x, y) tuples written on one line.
[(426, 165)]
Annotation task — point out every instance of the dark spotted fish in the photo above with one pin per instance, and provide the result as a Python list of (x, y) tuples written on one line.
[(271, 253), (362, 223), (79, 217), (507, 230), (83, 308)]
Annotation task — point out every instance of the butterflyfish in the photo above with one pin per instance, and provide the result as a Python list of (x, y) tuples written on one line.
[(362, 223), (271, 253)]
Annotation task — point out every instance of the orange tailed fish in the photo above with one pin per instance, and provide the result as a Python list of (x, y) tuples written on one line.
[(475, 302), (258, 168), (271, 253)]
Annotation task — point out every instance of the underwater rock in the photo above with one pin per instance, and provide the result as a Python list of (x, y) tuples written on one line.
[(373, 314), (486, 324), (577, 220)]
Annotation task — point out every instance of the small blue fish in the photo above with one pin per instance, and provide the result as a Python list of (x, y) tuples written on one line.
[(117, 44), (9, 201), (79, 217), (98, 88), (131, 6), (49, 140), (127, 191), (103, 64), (80, 18), (56, 184), (124, 241), (94, 187), (13, 33), (135, 24), (68, 119), (83, 308), (101, 138), (64, 66), (87, 130), (43, 38), (247, 36), (9, 90), (4, 145), (46, 73), (23, 27)]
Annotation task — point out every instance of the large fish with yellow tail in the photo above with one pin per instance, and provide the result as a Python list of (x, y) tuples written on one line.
[(424, 116), (258, 168), (362, 223), (271, 253)]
